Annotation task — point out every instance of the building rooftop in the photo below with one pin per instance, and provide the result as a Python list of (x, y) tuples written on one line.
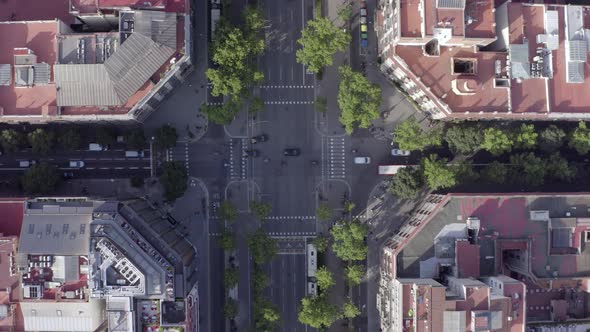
[(63, 316), (34, 10), (11, 211), (55, 234)]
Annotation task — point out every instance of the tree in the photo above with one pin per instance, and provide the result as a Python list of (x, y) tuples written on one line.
[(345, 12), (40, 179), (580, 138), (105, 136), (254, 21), (230, 308), (226, 241), (166, 137), (552, 138), (354, 274), (260, 209), (495, 172), (464, 172), (358, 99), (227, 212), (321, 104), (348, 206), (173, 179), (70, 139), (464, 139), (231, 277), (321, 243), (528, 169), (225, 113), (256, 105), (410, 136), (320, 40), (259, 280), (349, 241), (266, 315), (324, 278), (496, 141), (317, 312), (349, 310), (406, 184), (560, 169), (136, 139), (262, 247), (323, 212), (136, 181), (526, 136), (41, 140), (437, 174), (11, 140)]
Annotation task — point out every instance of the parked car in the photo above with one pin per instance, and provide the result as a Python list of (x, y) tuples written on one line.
[(76, 164), (259, 139), (362, 160), (398, 152), (292, 152), (26, 163), (133, 154), (251, 153), (97, 147)]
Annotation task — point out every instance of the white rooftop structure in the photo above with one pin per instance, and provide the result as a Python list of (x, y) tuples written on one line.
[(63, 316)]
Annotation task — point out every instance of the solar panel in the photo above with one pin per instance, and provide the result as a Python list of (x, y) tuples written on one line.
[(41, 74), (5, 75), (575, 72), (578, 50), (453, 4)]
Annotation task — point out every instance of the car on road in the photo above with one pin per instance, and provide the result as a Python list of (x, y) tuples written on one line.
[(26, 163), (259, 139), (398, 152), (68, 175), (76, 164), (133, 154), (251, 153), (97, 147), (292, 152), (362, 160)]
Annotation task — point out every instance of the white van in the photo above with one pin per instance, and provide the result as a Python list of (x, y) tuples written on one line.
[(95, 147), (362, 160), (133, 154)]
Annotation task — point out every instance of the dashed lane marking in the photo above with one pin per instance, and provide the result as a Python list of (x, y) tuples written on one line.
[(290, 217)]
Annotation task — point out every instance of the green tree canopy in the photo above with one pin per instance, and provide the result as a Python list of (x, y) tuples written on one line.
[(528, 168), (225, 113), (227, 212), (464, 139), (580, 138), (464, 172), (320, 40), (40, 179), (256, 105), (349, 310), (41, 140), (227, 241), (166, 137), (437, 174), (70, 139), (496, 141), (560, 169), (266, 315), (262, 247), (105, 136), (324, 278), (317, 312), (11, 140), (345, 12), (354, 274), (231, 277), (348, 206), (261, 210), (321, 243), (526, 136), (173, 179), (552, 138), (410, 136), (321, 104), (407, 183), (349, 241), (358, 99), (324, 212), (135, 139), (259, 280), (230, 308), (495, 172)]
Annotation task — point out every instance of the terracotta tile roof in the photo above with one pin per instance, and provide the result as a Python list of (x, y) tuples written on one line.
[(410, 20), (467, 259)]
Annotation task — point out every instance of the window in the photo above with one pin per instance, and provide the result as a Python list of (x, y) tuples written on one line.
[(65, 228), (82, 229), (31, 228)]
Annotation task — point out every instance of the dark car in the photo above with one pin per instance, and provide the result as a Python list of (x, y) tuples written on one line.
[(68, 175), (292, 152), (259, 139), (251, 153)]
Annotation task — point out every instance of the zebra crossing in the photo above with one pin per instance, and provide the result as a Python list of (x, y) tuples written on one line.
[(336, 158), (237, 162), (278, 235), (287, 218), (179, 153)]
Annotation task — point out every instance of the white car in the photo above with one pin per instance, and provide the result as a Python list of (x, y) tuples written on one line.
[(398, 152), (76, 164), (362, 160)]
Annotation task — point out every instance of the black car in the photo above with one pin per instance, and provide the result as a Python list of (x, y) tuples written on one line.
[(259, 139), (68, 175), (292, 152), (251, 153)]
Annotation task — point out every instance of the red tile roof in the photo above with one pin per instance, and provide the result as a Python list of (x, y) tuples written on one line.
[(467, 256), (410, 20), (12, 211), (35, 10)]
